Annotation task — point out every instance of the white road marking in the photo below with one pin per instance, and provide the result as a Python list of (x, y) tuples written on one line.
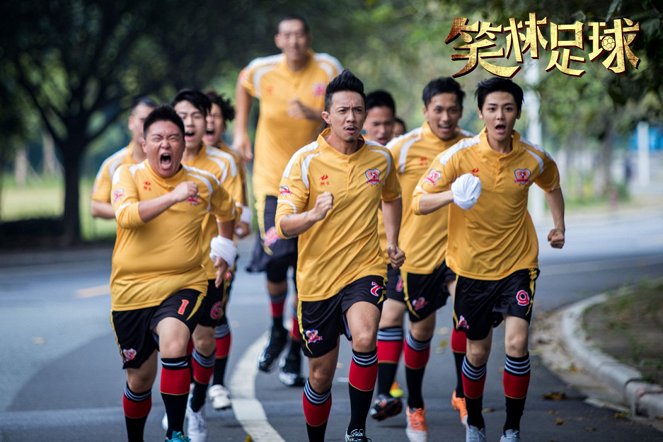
[(91, 292), (248, 410)]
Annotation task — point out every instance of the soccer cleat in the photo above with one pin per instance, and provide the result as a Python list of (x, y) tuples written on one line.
[(290, 370), (196, 424), (385, 406), (219, 396), (458, 404), (277, 340), (396, 390), (178, 437), (474, 434), (510, 436), (357, 435), (416, 430)]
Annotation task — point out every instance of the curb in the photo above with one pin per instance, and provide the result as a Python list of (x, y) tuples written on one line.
[(643, 398)]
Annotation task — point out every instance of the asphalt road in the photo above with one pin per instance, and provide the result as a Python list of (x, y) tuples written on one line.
[(60, 375)]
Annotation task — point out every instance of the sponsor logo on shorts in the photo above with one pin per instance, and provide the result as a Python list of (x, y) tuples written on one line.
[(419, 303), (522, 176), (312, 336), (399, 284), (372, 176), (284, 190), (128, 354), (215, 311), (522, 297), (433, 177), (118, 194), (376, 289), (462, 323), (271, 237)]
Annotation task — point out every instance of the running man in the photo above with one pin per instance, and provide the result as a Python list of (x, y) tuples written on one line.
[(330, 194), (492, 244), (222, 111), (100, 204), (425, 277), (193, 107), (158, 282), (380, 117), (291, 88)]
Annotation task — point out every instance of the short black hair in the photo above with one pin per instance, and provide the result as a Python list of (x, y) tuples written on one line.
[(145, 101), (498, 84), (163, 113), (293, 17), (196, 98), (400, 121), (345, 81), (442, 85), (380, 98), (226, 106)]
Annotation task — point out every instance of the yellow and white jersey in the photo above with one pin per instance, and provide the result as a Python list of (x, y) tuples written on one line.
[(496, 237), (344, 246), (101, 191)]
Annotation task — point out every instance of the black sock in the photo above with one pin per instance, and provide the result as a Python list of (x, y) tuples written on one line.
[(458, 361)]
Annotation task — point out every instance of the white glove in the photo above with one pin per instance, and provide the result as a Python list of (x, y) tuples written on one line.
[(223, 248), (246, 216), (466, 190)]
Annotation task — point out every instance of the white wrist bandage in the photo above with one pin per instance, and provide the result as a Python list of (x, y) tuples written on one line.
[(223, 248), (466, 190), (246, 216)]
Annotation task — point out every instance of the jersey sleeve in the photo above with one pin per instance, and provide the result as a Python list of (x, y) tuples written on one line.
[(101, 191), (548, 179), (222, 205), (392, 188), (293, 193), (439, 176), (124, 198), (246, 79)]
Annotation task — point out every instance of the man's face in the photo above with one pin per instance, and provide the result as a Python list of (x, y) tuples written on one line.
[(194, 123), (293, 40), (164, 147), (346, 116), (379, 124), (136, 120), (499, 113), (443, 113), (216, 126)]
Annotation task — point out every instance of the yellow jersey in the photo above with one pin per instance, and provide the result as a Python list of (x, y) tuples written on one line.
[(344, 246), (239, 196), (225, 170), (422, 238), (279, 135), (101, 191), (496, 237), (153, 260)]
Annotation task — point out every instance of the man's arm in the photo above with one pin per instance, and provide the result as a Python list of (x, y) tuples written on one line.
[(241, 142), (150, 209), (555, 201), (296, 224), (425, 203), (102, 210), (391, 216)]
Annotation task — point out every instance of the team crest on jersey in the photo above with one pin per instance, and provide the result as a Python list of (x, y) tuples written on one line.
[(118, 194), (376, 289), (128, 354), (324, 180), (475, 171), (319, 90), (312, 336), (522, 176), (284, 190), (147, 185), (419, 303), (433, 177), (522, 297), (271, 237), (372, 176), (462, 323)]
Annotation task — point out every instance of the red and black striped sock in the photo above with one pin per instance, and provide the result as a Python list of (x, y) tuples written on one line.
[(136, 408), (390, 347), (459, 348), (362, 377), (516, 382), (203, 368), (316, 412), (415, 354), (174, 391), (223, 338), (474, 379)]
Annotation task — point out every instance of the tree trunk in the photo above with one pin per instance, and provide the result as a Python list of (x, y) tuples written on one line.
[(21, 166), (71, 219), (50, 166)]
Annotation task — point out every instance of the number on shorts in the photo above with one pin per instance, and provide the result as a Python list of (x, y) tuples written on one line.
[(182, 308)]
